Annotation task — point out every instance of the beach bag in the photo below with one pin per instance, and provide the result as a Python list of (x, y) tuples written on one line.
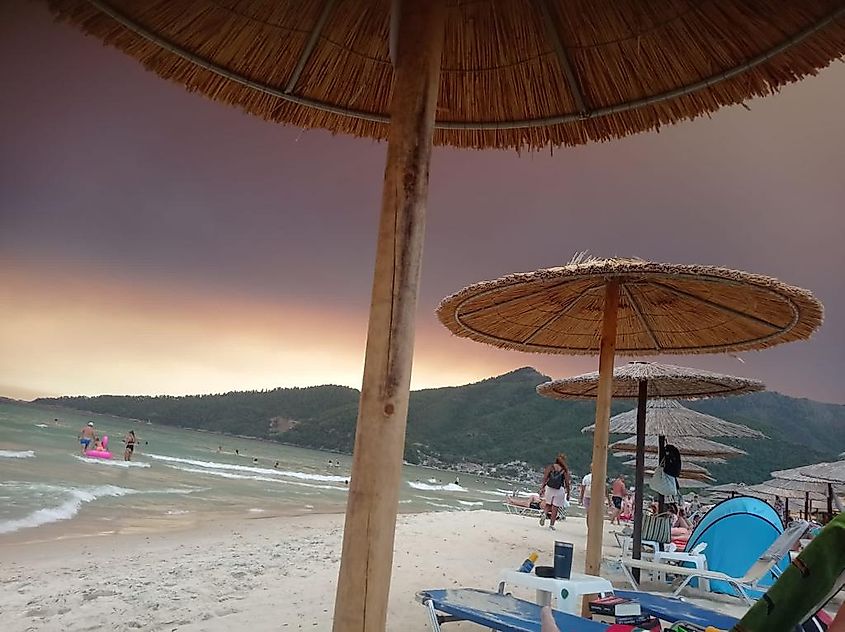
[(555, 480), (672, 461), (662, 483), (657, 528)]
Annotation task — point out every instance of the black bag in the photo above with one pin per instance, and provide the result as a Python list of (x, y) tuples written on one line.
[(672, 461), (555, 479)]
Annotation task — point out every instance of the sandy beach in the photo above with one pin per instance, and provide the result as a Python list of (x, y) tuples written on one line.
[(267, 573)]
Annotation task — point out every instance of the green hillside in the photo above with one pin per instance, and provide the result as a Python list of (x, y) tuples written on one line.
[(495, 421)]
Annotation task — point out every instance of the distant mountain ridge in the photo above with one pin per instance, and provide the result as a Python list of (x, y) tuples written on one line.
[(494, 421)]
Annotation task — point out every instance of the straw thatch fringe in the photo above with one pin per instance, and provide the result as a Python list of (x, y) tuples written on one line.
[(514, 73), (667, 418), (663, 381), (768, 489), (688, 468), (687, 446), (827, 472), (663, 309)]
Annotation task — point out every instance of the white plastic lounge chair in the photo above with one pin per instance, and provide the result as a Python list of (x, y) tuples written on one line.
[(764, 565)]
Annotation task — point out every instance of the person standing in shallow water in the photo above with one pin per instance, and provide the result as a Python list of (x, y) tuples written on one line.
[(555, 489), (86, 436), (130, 441)]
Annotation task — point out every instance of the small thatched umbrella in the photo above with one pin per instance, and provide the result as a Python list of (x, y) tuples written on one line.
[(728, 489), (786, 490), (646, 380), (498, 74), (632, 307), (825, 475), (689, 447), (626, 453), (688, 470)]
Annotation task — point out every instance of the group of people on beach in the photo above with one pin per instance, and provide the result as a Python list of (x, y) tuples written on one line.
[(556, 493), (90, 440)]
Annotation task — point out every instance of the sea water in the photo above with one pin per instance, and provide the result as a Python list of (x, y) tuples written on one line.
[(182, 475)]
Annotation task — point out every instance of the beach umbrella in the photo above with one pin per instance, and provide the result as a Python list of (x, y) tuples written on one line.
[(688, 483), (689, 447), (828, 473), (631, 307), (489, 74), (687, 459), (647, 380), (728, 489), (689, 470)]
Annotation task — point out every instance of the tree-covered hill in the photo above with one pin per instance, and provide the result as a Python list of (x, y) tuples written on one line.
[(497, 420)]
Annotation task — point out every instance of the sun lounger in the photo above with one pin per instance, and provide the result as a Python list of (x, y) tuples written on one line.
[(674, 609), (531, 512), (495, 611), (765, 565)]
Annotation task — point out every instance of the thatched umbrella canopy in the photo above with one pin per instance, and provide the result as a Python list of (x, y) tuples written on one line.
[(496, 73), (728, 489), (662, 381), (779, 487), (628, 306), (646, 380), (689, 447), (828, 473), (669, 418), (793, 479), (688, 470), (626, 453), (689, 483), (508, 73)]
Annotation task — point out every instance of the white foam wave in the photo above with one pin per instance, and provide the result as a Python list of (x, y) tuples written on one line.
[(66, 510), (70, 507), (469, 503), (442, 506), (264, 471), (111, 462), (246, 477), (450, 487), (41, 426), (17, 454)]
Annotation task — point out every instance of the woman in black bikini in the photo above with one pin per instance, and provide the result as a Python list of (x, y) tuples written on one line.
[(130, 442)]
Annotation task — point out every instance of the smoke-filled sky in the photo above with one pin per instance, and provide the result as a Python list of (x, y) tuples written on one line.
[(152, 241)]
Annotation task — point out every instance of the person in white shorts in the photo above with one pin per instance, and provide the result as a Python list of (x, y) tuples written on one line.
[(555, 489)]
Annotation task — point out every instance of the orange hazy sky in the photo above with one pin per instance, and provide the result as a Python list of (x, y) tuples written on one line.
[(154, 242)]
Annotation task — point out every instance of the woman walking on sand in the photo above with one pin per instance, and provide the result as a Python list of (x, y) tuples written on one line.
[(555, 488)]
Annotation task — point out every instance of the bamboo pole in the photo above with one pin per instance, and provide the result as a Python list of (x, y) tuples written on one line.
[(639, 474), (367, 557), (598, 489), (661, 454)]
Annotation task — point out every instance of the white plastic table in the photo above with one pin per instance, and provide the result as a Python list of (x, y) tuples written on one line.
[(561, 594)]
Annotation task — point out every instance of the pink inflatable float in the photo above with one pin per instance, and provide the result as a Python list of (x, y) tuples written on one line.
[(100, 454)]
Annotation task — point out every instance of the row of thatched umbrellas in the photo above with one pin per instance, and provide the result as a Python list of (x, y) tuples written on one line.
[(487, 74), (657, 419)]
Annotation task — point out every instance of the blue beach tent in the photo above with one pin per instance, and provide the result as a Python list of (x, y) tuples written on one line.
[(737, 531)]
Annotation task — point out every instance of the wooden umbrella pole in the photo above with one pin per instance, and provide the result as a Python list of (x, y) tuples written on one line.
[(661, 453), (598, 489), (367, 556), (829, 502), (806, 505), (639, 476)]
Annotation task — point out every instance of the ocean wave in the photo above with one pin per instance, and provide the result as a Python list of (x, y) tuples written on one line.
[(111, 462), (64, 511), (76, 498), (17, 454), (450, 487), (265, 471), (443, 506), (470, 503), (246, 477)]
